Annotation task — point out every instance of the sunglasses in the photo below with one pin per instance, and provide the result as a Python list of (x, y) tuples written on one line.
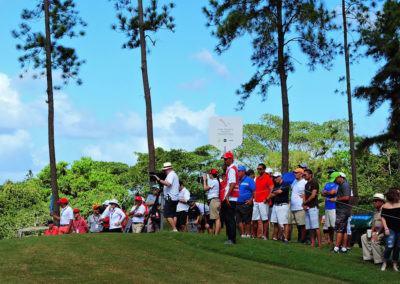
[(376, 200), (260, 169)]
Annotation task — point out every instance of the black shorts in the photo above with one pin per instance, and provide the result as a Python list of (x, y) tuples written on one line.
[(243, 212), (181, 218), (170, 208), (341, 223)]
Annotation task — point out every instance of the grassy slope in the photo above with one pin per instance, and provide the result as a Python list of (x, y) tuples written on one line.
[(176, 257)]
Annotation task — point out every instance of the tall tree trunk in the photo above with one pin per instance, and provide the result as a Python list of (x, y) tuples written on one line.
[(349, 106), (147, 96), (50, 101), (284, 91)]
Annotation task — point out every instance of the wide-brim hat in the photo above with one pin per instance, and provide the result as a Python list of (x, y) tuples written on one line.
[(167, 166), (114, 201)]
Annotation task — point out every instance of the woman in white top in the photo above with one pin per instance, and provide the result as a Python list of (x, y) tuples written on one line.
[(213, 199), (116, 216)]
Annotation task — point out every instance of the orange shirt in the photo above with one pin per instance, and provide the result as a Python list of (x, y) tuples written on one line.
[(263, 185), (53, 232)]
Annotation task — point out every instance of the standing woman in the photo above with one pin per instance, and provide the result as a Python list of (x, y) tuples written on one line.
[(213, 198), (116, 215), (391, 223)]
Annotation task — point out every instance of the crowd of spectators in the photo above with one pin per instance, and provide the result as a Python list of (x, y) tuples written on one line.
[(237, 198)]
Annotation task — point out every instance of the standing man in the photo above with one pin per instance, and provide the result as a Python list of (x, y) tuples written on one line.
[(296, 203), (264, 186), (182, 208), (171, 194), (94, 222), (138, 211), (372, 245), (329, 192), (343, 210), (153, 222), (66, 217), (244, 206), (228, 207), (280, 211), (213, 199), (310, 205)]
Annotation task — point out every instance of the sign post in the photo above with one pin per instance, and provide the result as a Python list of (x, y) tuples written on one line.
[(226, 132)]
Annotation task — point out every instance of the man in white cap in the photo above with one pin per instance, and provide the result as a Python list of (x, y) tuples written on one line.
[(372, 241), (171, 194)]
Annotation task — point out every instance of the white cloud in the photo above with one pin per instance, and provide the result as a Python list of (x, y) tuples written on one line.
[(15, 151), (197, 84), (208, 59)]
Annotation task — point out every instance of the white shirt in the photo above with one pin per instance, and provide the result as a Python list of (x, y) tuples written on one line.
[(116, 216), (185, 195), (214, 190), (298, 188), (201, 208), (173, 190), (141, 209), (231, 179), (66, 215)]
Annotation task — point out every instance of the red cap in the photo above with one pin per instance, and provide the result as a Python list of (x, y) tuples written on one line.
[(77, 210), (227, 155), (213, 172), (139, 198), (95, 207), (63, 200)]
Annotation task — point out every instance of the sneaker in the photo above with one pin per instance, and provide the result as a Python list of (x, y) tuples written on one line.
[(395, 268), (243, 236), (175, 230), (274, 239), (249, 236), (343, 250), (335, 250), (229, 242), (285, 241), (383, 267), (264, 238)]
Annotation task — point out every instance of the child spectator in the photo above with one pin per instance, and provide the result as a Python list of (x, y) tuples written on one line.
[(193, 215), (79, 226), (51, 230), (325, 229)]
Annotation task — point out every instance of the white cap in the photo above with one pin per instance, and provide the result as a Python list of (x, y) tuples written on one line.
[(269, 170), (342, 175), (107, 202), (277, 174), (167, 166), (114, 201)]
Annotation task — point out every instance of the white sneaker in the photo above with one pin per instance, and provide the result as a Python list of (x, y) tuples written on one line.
[(264, 238), (175, 230), (248, 236), (243, 236), (383, 267), (395, 268)]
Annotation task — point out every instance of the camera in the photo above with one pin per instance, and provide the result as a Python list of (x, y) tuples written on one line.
[(160, 175), (200, 179)]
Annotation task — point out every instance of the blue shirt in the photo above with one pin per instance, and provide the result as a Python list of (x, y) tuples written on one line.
[(328, 187), (247, 186), (288, 177)]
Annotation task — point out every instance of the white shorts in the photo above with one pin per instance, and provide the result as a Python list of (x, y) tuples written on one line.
[(312, 218), (330, 218), (348, 226), (280, 214), (260, 211)]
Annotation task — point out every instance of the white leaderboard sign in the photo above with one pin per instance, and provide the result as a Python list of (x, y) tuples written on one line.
[(226, 132)]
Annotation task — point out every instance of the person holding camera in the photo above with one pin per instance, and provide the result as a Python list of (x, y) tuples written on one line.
[(171, 194), (213, 198), (228, 206)]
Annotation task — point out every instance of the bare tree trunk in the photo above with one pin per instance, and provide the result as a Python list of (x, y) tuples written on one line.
[(284, 91), (349, 105), (147, 95), (50, 101)]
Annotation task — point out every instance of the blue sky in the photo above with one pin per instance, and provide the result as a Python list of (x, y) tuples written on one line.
[(105, 117)]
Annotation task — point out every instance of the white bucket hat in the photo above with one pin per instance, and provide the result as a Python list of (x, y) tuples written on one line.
[(114, 201), (167, 166)]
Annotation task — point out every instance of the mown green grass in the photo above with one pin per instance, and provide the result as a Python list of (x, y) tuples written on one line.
[(177, 257)]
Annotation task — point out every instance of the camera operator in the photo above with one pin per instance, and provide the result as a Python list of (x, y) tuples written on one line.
[(213, 198), (171, 193)]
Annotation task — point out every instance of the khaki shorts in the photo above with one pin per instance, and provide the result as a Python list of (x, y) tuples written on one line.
[(215, 206), (299, 217), (330, 218), (137, 228)]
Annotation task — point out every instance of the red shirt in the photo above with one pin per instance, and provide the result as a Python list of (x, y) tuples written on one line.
[(263, 185), (79, 226), (52, 232)]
